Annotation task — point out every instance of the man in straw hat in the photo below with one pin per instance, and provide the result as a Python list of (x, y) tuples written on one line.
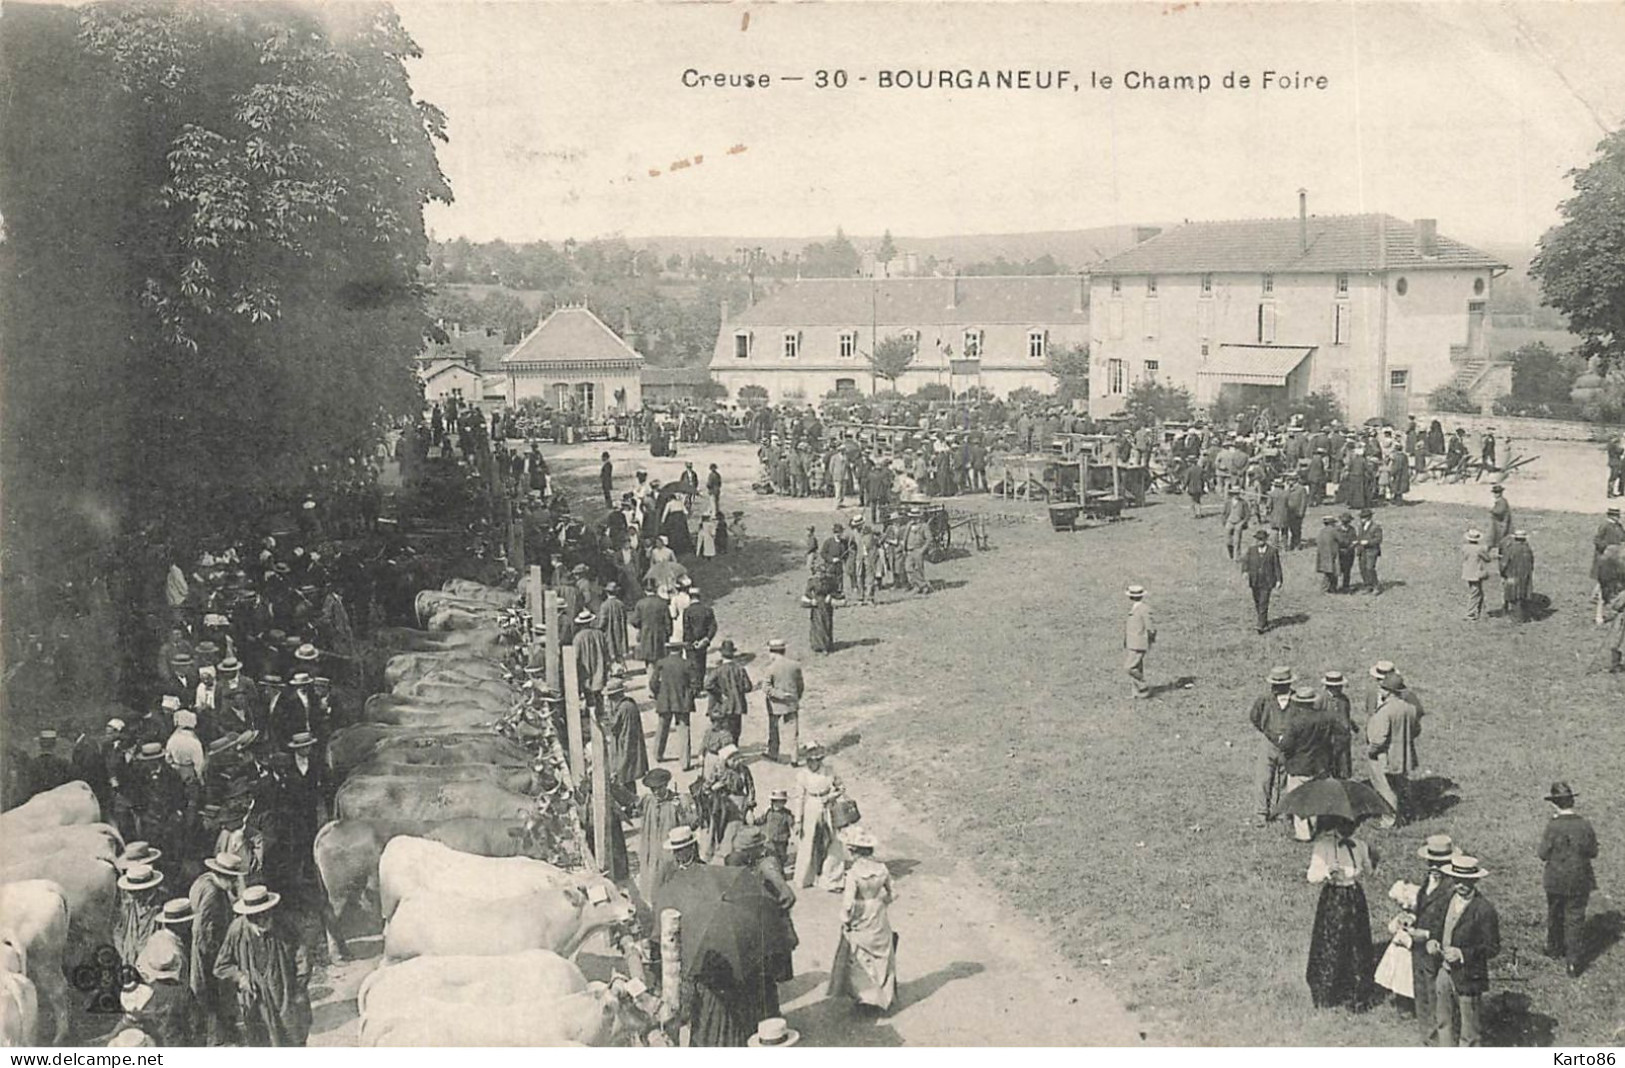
[(263, 958), (1390, 736), (1433, 896), (212, 895), (1334, 701), (1139, 634), (785, 688), (1469, 935), (156, 1000), (1567, 847), (774, 1031), (592, 661), (1270, 717), (1307, 748), (140, 903), (1475, 569)]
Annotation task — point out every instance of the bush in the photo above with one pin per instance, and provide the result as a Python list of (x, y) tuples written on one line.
[(932, 391), (1152, 402), (1318, 409), (1027, 396), (1608, 406), (1453, 398), (752, 396), (1507, 404)]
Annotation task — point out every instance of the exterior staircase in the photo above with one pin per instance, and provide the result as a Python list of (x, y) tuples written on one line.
[(1469, 366)]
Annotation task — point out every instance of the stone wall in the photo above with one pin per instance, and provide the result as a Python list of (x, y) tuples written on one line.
[(1522, 429)]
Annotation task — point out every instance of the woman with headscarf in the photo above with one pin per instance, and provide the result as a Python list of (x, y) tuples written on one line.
[(1340, 960), (865, 966)]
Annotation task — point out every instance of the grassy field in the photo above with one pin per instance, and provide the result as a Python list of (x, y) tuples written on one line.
[(998, 710)]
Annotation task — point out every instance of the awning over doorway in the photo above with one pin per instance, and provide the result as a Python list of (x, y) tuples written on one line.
[(1254, 365)]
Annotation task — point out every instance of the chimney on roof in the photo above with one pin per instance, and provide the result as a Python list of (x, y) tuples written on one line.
[(1427, 237), (1303, 220)]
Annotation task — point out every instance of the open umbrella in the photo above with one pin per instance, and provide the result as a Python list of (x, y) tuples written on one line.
[(731, 924), (1334, 797)]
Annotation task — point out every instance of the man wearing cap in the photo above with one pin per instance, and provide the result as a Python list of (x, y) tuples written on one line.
[(1390, 736), (778, 826), (211, 897), (264, 959), (1433, 895), (1307, 748), (672, 683), (1500, 518), (1567, 847), (1517, 576), (1368, 547), (1262, 566), (1271, 716), (1470, 935), (1139, 634), (785, 687), (1475, 569)]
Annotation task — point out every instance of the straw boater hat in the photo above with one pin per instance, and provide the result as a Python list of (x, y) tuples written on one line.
[(1381, 668), (224, 742), (170, 703), (779, 795), (1462, 866), (585, 616), (858, 838), (776, 645), (115, 725), (228, 864), (1438, 849), (47, 736), (1280, 676), (1561, 793), (681, 837), (176, 911), (1520, 535), (774, 1031), (307, 652), (1333, 678), (302, 740), (140, 877), (614, 685), (300, 678), (255, 899), (1135, 592), (150, 751), (139, 853), (132, 1038), (1304, 695), (1474, 537)]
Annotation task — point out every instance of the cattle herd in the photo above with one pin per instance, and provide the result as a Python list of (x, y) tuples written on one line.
[(453, 831)]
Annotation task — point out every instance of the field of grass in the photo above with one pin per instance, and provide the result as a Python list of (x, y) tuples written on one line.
[(997, 710)]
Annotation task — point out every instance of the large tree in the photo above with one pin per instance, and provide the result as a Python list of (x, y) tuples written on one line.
[(214, 220), (893, 356), (1069, 365), (1581, 264)]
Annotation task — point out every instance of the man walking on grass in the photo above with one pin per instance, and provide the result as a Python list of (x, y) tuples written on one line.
[(1262, 566), (1139, 634), (1567, 847), (1270, 717)]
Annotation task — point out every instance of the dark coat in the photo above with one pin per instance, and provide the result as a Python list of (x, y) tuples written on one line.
[(1326, 550), (1262, 564), (1568, 845), (652, 616), (1308, 745), (1368, 539), (1517, 569), (671, 682), (1478, 936)]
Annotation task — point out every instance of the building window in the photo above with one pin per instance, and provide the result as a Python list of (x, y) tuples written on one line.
[(1037, 344), (585, 395), (1342, 320), (1152, 320), (1117, 287), (1204, 348), (1475, 307), (973, 344), (1399, 380), (1116, 378), (1478, 287), (1266, 324), (1268, 285), (1342, 285), (1207, 285), (1151, 370), (742, 345), (912, 337), (792, 344), (1150, 285), (846, 385), (849, 344), (1401, 287)]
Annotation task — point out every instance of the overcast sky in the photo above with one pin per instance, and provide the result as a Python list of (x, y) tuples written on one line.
[(558, 112)]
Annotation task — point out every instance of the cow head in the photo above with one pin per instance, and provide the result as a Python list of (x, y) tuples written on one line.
[(601, 904)]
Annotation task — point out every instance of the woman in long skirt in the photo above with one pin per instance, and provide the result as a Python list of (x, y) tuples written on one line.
[(817, 784), (865, 966), (1340, 960)]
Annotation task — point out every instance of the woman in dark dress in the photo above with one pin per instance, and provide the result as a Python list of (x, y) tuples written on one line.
[(821, 613), (1340, 958)]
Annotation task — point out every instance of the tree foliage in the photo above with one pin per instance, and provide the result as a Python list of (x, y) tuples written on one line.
[(1581, 264), (1069, 365), (214, 225), (752, 396), (835, 258), (888, 248), (1452, 398), (1150, 402), (893, 356)]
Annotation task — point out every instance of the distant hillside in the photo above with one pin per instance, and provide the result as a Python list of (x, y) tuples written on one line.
[(1076, 249)]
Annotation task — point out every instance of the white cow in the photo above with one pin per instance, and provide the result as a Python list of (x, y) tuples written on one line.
[(411, 866), (534, 977), (19, 1000), (34, 919), (601, 1015), (89, 884), (444, 924), (67, 804), (100, 840)]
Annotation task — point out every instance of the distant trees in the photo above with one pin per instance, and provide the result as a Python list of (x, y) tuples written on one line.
[(835, 258), (888, 249), (1045, 264), (1150, 401), (1581, 263)]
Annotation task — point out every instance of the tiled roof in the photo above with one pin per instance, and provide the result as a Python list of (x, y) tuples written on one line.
[(1335, 243), (436, 368), (1023, 299), (675, 376), (1259, 365), (571, 334)]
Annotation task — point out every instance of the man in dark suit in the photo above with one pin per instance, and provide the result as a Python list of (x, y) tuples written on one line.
[(1271, 716), (1262, 566), (1368, 545), (1432, 898), (672, 683), (699, 631), (1567, 847), (1307, 747), (606, 480), (1469, 936)]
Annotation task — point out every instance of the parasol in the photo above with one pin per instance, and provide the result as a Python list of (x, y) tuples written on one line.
[(665, 573), (1334, 797), (733, 930)]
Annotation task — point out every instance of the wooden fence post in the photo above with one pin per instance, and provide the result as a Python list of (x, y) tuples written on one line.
[(572, 719), (600, 793), (550, 632), (671, 960)]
